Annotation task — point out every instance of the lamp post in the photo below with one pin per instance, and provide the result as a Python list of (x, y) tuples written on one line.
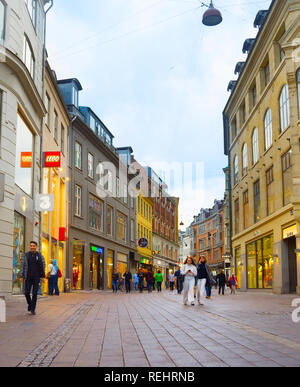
[(212, 17)]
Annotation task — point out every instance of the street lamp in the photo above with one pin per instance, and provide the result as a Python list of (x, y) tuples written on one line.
[(212, 17)]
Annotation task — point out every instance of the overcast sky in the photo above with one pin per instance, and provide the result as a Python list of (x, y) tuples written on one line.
[(157, 78)]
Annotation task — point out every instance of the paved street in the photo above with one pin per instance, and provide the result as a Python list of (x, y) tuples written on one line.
[(106, 330)]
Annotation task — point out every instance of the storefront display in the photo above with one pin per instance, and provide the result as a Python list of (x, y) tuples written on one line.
[(238, 269), (78, 254), (96, 267), (18, 251), (110, 268), (122, 263), (260, 263)]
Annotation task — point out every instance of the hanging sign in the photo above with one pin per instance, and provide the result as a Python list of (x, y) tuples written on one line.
[(51, 160), (143, 243), (44, 203)]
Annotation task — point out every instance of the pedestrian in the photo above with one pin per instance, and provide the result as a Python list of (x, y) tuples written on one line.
[(210, 281), (136, 281), (159, 280), (115, 281), (221, 280), (128, 277), (53, 272), (32, 270), (203, 275), (141, 277), (172, 281), (189, 270), (179, 280), (233, 283), (150, 280)]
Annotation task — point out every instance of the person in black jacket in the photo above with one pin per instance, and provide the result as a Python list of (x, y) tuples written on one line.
[(115, 280), (32, 270), (150, 280), (221, 281), (128, 277), (141, 281)]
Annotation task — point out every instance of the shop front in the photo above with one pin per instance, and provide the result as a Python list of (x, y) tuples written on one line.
[(110, 268), (96, 266), (122, 263), (18, 250), (238, 266), (289, 242), (163, 267), (260, 263), (78, 259)]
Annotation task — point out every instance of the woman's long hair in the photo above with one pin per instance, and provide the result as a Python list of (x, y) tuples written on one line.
[(186, 261)]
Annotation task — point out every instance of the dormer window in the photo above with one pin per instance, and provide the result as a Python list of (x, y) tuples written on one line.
[(75, 97)]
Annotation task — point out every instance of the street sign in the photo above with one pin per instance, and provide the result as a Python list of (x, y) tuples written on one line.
[(44, 203)]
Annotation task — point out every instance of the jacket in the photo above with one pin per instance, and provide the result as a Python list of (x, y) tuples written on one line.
[(209, 275), (222, 279), (150, 277), (159, 277), (24, 265)]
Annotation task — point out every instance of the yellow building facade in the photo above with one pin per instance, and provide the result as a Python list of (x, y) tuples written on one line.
[(55, 180), (144, 229), (262, 131)]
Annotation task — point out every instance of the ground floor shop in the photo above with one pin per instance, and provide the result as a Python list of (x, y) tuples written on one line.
[(271, 259), (91, 261)]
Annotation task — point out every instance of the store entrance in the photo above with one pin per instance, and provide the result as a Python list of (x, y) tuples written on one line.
[(291, 244), (96, 268)]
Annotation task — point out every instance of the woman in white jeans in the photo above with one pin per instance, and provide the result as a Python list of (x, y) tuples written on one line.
[(189, 271)]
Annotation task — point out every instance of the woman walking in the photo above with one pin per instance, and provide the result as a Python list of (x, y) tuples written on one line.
[(189, 271), (172, 281)]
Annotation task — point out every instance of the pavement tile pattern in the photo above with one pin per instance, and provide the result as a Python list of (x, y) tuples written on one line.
[(100, 329)]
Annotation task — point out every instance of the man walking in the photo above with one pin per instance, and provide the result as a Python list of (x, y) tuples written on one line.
[(179, 281), (32, 270), (221, 281), (150, 280), (128, 277)]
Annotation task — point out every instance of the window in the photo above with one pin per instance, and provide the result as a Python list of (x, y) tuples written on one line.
[(298, 87), (254, 96), (246, 208), (233, 130), (28, 57), (121, 227), (243, 113), (270, 191), (78, 155), (237, 216), (48, 105), (90, 166), (245, 159), (268, 129), (256, 201), (62, 140), (55, 129), (24, 144), (287, 179), (236, 170), (96, 213), (78, 201), (109, 221), (32, 9), (132, 230), (2, 21), (267, 74), (255, 149), (284, 103)]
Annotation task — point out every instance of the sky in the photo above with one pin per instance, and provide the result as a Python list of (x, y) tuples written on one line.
[(157, 77)]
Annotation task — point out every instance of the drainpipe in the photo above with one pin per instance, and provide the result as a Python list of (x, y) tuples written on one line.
[(42, 123)]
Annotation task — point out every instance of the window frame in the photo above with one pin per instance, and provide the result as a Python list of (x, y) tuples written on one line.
[(284, 108), (78, 200), (80, 158), (31, 68), (91, 176), (268, 128), (255, 146), (245, 159)]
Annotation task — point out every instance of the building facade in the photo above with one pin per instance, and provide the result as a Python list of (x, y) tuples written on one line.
[(261, 135), (102, 217), (55, 180), (22, 57), (186, 243), (208, 235)]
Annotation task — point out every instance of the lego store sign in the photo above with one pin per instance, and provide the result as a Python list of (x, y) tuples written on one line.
[(26, 159), (51, 159)]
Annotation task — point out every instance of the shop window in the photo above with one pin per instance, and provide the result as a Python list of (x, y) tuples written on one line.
[(255, 146), (252, 266), (110, 268), (268, 129), (24, 144), (238, 263), (78, 257), (18, 251), (287, 179), (270, 191), (284, 103), (95, 213)]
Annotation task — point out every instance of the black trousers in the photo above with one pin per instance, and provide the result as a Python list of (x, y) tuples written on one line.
[(171, 286), (127, 286), (221, 287), (33, 284)]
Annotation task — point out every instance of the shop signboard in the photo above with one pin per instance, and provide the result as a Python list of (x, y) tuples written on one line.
[(96, 249), (289, 231), (26, 159), (44, 203), (62, 234), (51, 159), (143, 243)]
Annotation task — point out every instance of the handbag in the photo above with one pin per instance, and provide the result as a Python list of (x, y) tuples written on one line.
[(59, 275)]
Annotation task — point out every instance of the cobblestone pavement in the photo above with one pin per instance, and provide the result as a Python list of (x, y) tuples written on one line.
[(151, 330)]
